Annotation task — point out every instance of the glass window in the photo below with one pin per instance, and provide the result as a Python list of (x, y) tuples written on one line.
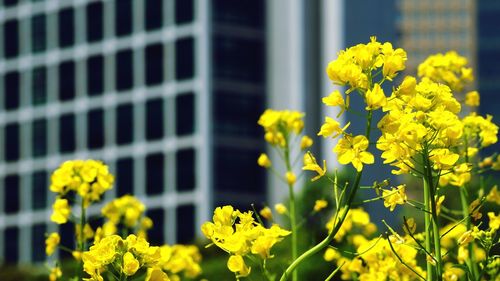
[(8, 3), (243, 12), (39, 190), (124, 124), (11, 90), (184, 12), (236, 114), (154, 119), (240, 59), (94, 14), (39, 138), (185, 118), (125, 176), (67, 133), (185, 162), (154, 64), (235, 171), (11, 39), (39, 85), (156, 234), (38, 242), (66, 28), (123, 17), (38, 33), (67, 233), (67, 81), (11, 245), (95, 75), (184, 58), (124, 70), (153, 14), (95, 129), (11, 142), (154, 173), (185, 224), (11, 185)]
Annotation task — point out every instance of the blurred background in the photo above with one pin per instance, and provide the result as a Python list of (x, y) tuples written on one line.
[(168, 94)]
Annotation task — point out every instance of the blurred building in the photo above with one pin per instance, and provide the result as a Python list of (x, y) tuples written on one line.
[(427, 27), (488, 55), (166, 92)]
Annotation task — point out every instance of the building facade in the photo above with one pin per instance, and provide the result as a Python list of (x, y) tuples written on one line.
[(166, 92)]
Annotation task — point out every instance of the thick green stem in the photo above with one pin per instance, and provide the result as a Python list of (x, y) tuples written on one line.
[(293, 213), (427, 221), (81, 240), (341, 217), (429, 186)]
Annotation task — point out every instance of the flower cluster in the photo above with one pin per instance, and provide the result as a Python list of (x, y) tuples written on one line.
[(126, 257), (89, 179), (239, 235), (420, 117), (278, 125), (450, 69), (128, 212), (354, 65)]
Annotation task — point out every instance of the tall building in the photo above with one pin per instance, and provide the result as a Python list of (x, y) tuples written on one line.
[(165, 92), (427, 27), (488, 53)]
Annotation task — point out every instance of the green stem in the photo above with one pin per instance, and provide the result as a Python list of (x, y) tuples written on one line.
[(427, 221), (341, 217), (293, 215), (81, 240), (431, 202)]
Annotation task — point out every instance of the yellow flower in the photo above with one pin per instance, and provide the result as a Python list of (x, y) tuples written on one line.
[(494, 221), (443, 158), (55, 273), (156, 274), (290, 177), (127, 210), (62, 211), (305, 142), (310, 164), (493, 195), (320, 205), (395, 196), (237, 265), (130, 264), (394, 60), (465, 238), (264, 161), (334, 99), (472, 98), (353, 150), (331, 127), (280, 208), (375, 98), (331, 254), (266, 213), (51, 243)]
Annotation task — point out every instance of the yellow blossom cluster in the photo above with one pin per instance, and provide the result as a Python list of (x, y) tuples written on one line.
[(356, 219), (239, 235), (377, 261), (127, 211), (420, 118), (449, 68), (279, 125), (126, 257), (354, 65), (89, 179)]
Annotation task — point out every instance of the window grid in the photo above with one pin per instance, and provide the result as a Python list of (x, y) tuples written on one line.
[(34, 106)]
